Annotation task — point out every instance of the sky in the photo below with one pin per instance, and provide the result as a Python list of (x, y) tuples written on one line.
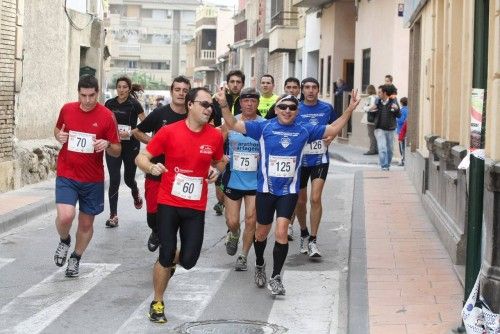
[(222, 2)]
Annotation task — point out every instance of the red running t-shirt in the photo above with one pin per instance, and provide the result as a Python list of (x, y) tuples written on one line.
[(99, 122), (188, 156)]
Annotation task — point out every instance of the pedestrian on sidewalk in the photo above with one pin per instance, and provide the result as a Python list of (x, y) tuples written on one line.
[(85, 129), (190, 148), (399, 129), (387, 110), (173, 112), (368, 119), (127, 110), (282, 140)]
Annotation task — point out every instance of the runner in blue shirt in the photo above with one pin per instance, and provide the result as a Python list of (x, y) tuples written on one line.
[(282, 140), (315, 165), (240, 179)]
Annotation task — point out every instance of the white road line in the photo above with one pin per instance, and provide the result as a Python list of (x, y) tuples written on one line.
[(5, 261), (311, 303), (187, 295), (33, 310)]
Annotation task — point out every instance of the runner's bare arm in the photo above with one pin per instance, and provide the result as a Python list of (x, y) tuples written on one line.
[(230, 121), (113, 150), (60, 135), (141, 136), (335, 128), (143, 161)]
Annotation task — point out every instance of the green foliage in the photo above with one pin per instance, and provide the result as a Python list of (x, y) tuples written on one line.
[(141, 78)]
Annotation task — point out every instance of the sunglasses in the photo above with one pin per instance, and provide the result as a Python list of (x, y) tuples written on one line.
[(205, 104), (283, 106)]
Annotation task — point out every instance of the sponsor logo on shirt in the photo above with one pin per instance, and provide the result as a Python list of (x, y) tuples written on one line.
[(182, 171), (285, 142), (206, 149), (95, 125)]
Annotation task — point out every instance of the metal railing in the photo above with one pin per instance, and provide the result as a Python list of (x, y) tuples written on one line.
[(284, 18)]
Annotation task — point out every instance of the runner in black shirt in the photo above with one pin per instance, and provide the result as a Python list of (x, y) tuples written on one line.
[(171, 113), (127, 110)]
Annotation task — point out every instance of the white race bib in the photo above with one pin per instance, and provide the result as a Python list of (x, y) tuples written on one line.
[(126, 128), (245, 162), (187, 187), (81, 142), (280, 166), (315, 147)]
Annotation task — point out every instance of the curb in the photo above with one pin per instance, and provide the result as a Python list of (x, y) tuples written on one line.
[(23, 214)]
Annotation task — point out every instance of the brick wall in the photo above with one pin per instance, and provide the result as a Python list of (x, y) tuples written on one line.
[(7, 75)]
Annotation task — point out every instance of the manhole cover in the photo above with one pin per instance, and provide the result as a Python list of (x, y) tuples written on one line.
[(230, 327)]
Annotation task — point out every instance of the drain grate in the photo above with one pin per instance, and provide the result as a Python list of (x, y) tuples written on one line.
[(230, 327)]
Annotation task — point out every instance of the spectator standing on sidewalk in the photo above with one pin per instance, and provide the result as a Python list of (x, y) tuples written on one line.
[(387, 110), (85, 129), (127, 110), (370, 103), (400, 123), (171, 113)]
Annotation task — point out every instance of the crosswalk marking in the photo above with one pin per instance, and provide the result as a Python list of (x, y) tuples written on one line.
[(311, 303), (33, 310), (187, 295), (5, 261)]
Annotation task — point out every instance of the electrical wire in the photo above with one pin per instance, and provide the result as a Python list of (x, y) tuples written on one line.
[(73, 24)]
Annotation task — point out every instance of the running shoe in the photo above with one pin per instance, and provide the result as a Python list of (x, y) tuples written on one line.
[(137, 201), (290, 232), (303, 245), (219, 208), (153, 241), (313, 249), (157, 312), (73, 268), (232, 240), (241, 263), (260, 275), (276, 286), (112, 221), (61, 254)]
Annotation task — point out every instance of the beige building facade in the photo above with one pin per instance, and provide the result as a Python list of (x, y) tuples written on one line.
[(442, 72), (40, 67)]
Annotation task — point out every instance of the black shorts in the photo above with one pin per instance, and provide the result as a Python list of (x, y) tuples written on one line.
[(236, 194), (314, 172), (218, 183), (266, 204), (190, 223)]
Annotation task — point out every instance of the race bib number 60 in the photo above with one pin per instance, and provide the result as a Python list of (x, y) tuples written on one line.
[(81, 142), (280, 166), (187, 187)]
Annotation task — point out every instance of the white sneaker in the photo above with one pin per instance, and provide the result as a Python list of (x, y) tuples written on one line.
[(303, 245), (313, 249), (290, 232)]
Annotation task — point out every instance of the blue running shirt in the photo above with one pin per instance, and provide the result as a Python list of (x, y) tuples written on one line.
[(281, 151), (244, 156), (322, 113)]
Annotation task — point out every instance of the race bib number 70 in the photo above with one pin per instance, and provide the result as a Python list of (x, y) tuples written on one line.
[(81, 142)]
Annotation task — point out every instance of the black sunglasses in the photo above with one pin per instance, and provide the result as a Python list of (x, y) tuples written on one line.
[(283, 106), (205, 104)]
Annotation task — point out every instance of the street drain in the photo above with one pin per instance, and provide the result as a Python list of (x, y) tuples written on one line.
[(230, 327)]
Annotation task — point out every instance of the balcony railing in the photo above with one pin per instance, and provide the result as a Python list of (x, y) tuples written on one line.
[(207, 54), (130, 21), (240, 31), (130, 49), (284, 19)]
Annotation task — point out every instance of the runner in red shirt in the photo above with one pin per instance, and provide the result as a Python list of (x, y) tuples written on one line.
[(85, 129), (190, 147)]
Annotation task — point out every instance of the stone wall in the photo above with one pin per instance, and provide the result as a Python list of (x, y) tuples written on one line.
[(36, 160)]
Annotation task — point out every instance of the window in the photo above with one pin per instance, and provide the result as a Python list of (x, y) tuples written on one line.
[(329, 75), (158, 65), (365, 73), (159, 39), (167, 64), (252, 66), (321, 73), (132, 64), (159, 14)]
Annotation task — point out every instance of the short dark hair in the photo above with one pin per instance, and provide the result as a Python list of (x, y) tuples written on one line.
[(388, 76), (180, 79), (237, 73), (389, 89), (309, 79), (88, 81), (267, 76), (193, 94), (292, 79), (370, 89), (404, 101)]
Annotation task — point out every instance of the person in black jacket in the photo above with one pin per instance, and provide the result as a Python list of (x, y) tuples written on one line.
[(387, 110), (127, 110)]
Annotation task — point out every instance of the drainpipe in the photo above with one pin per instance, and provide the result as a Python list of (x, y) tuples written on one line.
[(476, 171)]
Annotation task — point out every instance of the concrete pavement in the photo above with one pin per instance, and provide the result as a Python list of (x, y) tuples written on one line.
[(401, 278)]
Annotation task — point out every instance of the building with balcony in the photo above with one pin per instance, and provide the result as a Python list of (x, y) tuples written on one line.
[(149, 38)]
